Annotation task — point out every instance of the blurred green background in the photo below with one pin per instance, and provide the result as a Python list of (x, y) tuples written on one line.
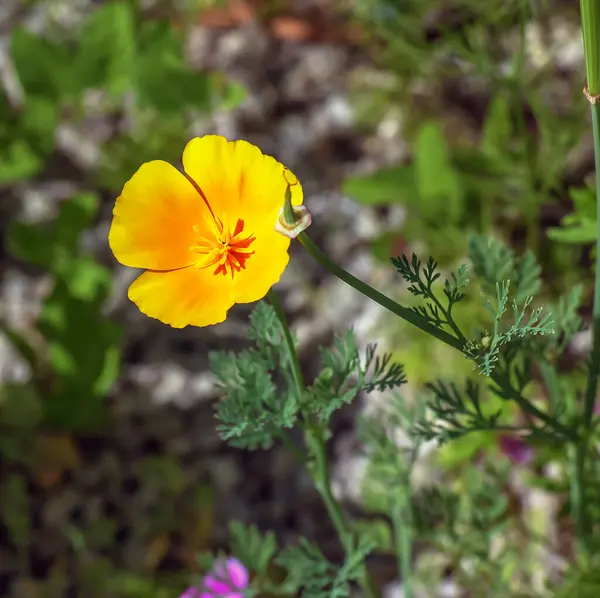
[(411, 124)]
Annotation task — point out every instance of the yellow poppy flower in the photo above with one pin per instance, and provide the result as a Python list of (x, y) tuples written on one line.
[(206, 238)]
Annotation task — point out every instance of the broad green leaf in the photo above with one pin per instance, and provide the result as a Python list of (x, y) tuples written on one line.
[(39, 119), (580, 234), (26, 137), (43, 67), (164, 81), (579, 227), (75, 215), (53, 247), (86, 279), (439, 188), (19, 161), (30, 243), (107, 54), (584, 200), (387, 186), (84, 355)]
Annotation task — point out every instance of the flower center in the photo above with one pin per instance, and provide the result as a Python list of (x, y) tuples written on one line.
[(225, 247)]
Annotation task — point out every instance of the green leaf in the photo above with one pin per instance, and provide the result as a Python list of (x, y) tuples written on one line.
[(84, 370), (582, 233), (579, 227), (584, 200), (439, 188), (388, 186), (74, 216), (19, 161), (164, 81), (251, 413), (42, 66), (54, 247), (316, 577), (86, 279), (336, 384), (26, 137), (492, 260), (253, 549), (106, 56), (30, 243)]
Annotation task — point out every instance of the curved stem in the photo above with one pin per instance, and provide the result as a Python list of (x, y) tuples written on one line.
[(403, 312)]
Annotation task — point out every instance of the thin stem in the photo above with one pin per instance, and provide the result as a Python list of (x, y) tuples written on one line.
[(580, 510), (401, 518), (529, 408), (289, 341), (315, 437), (594, 369), (577, 485), (320, 470), (403, 312), (402, 525)]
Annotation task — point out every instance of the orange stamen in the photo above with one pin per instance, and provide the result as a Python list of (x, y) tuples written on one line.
[(224, 248)]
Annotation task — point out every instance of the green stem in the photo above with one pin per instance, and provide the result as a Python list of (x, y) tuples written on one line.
[(577, 485), (594, 369), (289, 341), (402, 525), (529, 408), (403, 312), (322, 477), (580, 510), (316, 442)]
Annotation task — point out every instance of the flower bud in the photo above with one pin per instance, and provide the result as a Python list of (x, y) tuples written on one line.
[(292, 220)]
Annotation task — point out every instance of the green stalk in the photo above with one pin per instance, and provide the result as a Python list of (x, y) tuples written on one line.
[(289, 341), (590, 25), (402, 525), (594, 370), (403, 312), (576, 459), (315, 438)]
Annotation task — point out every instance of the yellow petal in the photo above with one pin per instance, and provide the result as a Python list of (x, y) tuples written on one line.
[(185, 297), (239, 180), (153, 219), (263, 268)]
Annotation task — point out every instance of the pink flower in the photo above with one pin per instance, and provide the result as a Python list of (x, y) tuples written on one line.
[(516, 449), (227, 579)]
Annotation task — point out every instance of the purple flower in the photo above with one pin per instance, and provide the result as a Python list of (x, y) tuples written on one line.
[(516, 449), (227, 579)]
